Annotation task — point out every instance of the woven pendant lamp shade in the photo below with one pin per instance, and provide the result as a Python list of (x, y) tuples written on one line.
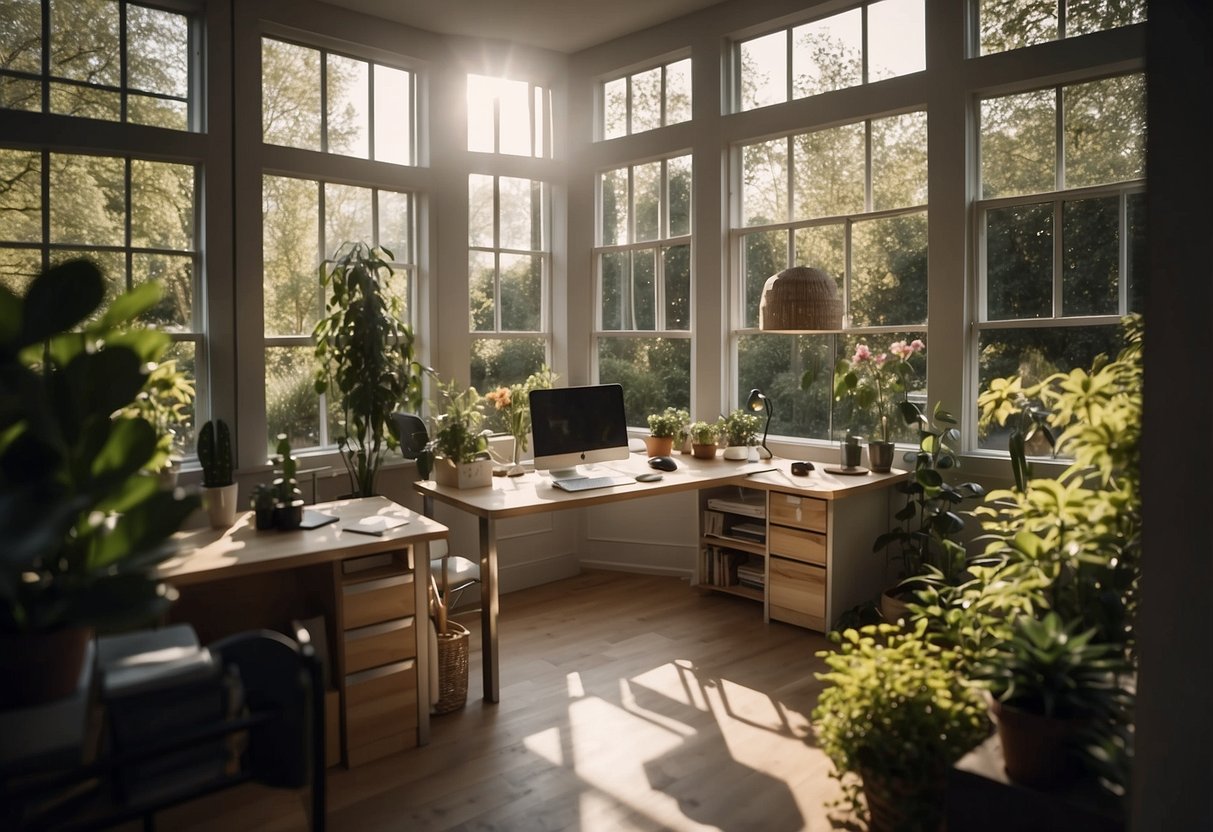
[(800, 299)]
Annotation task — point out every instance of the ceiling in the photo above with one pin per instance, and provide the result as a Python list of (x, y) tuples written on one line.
[(560, 25)]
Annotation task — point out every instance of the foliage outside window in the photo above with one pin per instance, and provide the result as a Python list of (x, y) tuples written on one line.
[(135, 218), (319, 100), (509, 117), (859, 46), (1061, 228), (303, 223), (850, 200), (646, 100), (643, 271), (509, 260), (1013, 24), (104, 59)]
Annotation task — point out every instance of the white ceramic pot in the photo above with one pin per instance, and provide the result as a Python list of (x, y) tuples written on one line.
[(220, 505), (736, 452)]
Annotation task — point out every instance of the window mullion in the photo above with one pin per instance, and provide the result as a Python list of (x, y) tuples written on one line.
[(497, 254), (1059, 310), (122, 65), (1122, 282)]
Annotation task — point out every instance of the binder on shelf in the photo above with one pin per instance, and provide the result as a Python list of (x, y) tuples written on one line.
[(755, 506), (756, 532)]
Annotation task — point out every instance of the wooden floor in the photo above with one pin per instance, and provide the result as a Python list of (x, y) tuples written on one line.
[(628, 702)]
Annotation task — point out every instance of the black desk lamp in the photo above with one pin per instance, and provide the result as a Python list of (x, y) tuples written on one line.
[(759, 402)]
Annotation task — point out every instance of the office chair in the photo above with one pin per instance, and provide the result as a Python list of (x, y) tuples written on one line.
[(455, 573)]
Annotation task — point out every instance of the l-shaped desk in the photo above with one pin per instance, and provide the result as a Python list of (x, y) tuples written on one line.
[(825, 524)]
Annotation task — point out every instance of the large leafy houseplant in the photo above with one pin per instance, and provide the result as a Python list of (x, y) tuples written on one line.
[(365, 351), (83, 525)]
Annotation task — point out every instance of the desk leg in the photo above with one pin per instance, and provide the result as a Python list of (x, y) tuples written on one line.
[(488, 609)]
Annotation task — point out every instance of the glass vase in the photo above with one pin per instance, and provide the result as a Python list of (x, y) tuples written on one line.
[(516, 470)]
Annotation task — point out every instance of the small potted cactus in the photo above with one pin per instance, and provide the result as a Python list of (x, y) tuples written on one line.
[(288, 499), (218, 488), (262, 504)]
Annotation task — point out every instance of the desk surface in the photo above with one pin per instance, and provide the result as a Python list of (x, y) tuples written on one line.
[(242, 550), (533, 493)]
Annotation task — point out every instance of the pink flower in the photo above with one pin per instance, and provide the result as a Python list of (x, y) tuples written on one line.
[(900, 349), (881, 359), (917, 345), (862, 353)]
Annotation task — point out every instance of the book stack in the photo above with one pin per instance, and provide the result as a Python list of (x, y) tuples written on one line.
[(751, 574), (754, 505), (756, 532), (720, 566)]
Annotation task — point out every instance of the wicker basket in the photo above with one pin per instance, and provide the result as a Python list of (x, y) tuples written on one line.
[(452, 669)]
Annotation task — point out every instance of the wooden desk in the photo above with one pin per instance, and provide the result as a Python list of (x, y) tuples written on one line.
[(533, 493), (371, 590)]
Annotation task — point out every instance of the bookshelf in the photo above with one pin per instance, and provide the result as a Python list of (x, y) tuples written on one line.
[(733, 541)]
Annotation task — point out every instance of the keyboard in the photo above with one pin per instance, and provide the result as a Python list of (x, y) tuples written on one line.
[(586, 483)]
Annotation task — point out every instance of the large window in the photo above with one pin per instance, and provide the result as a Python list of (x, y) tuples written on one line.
[(647, 100), (864, 44), (850, 200), (508, 117), (1013, 24), (1061, 226), (643, 268)]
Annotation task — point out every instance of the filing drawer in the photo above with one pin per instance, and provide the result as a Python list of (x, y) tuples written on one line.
[(799, 512), (809, 547), (383, 599), (380, 711), (380, 644), (797, 593)]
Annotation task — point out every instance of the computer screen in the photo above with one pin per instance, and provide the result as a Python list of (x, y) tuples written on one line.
[(574, 425)]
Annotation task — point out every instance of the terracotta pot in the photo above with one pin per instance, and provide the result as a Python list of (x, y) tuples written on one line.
[(880, 456), (705, 451), (659, 445), (893, 608), (41, 667), (1038, 751)]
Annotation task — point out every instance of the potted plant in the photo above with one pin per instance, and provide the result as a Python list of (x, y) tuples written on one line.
[(740, 429), (288, 499), (704, 436), (514, 404), (365, 352), (871, 381), (1049, 683), (896, 712), (83, 531), (262, 503), (218, 489), (460, 447), (664, 428)]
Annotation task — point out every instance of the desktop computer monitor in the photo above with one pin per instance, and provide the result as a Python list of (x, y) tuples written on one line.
[(575, 425)]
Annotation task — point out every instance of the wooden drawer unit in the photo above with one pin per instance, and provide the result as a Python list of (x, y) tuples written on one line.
[(380, 644), (797, 593), (382, 599), (796, 511), (809, 547), (380, 711)]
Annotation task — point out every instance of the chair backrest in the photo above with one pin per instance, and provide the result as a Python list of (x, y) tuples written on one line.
[(411, 432)]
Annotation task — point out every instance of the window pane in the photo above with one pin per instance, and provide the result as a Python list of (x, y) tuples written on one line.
[(829, 172), (764, 254), (290, 95), (348, 94), (290, 244), (1090, 265), (162, 205), (291, 404), (1036, 353), (644, 288), (21, 37), (157, 51), (88, 200), (775, 364), (764, 70), (678, 170), (646, 100), (616, 283), (1018, 144), (514, 113), (1019, 262), (21, 196), (897, 43), (519, 226), (827, 54), (655, 373), (19, 94), (347, 216), (1013, 25), (85, 102), (176, 276), (184, 353), (84, 41), (481, 211), (481, 115), (677, 266), (111, 263), (615, 207), (899, 161), (1085, 16), (889, 271), (498, 362), (521, 292), (396, 225), (157, 112), (646, 190), (19, 267), (393, 115), (482, 289), (764, 182), (1139, 270), (1105, 131), (678, 91), (615, 108), (822, 247)]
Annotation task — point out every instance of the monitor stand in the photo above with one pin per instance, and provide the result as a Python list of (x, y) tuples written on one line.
[(565, 473)]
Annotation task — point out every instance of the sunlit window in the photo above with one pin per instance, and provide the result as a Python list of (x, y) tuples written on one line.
[(1013, 24), (647, 100), (509, 117)]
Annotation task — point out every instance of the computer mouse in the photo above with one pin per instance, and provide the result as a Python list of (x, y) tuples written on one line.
[(648, 476), (801, 469), (663, 463)]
